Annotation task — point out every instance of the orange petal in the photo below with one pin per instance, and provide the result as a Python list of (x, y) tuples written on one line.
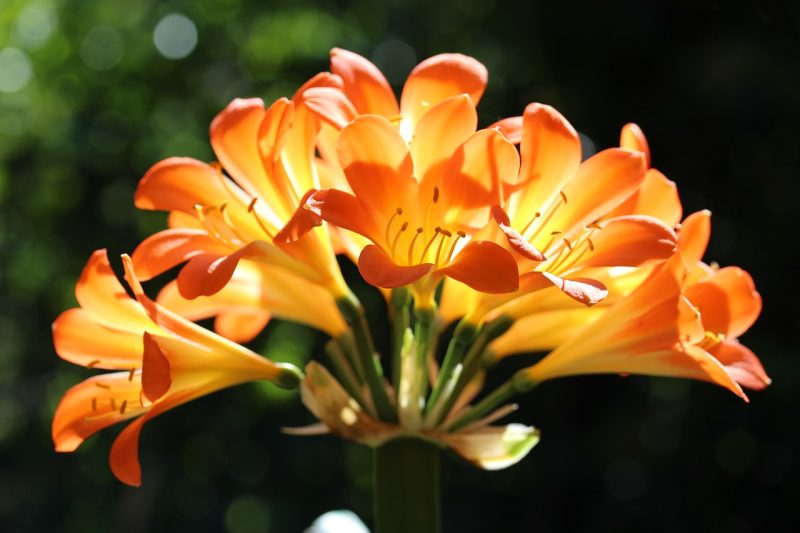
[(741, 364), (330, 105), (693, 236), (632, 138), (657, 197), (438, 78), (80, 340), (343, 210), (443, 129), (241, 327), (166, 249), (630, 241), (727, 300), (364, 84), (301, 222), (379, 270), (551, 154), (484, 266), (473, 177), (515, 240), (156, 376), (273, 130), (603, 182), (102, 296), (377, 165), (585, 291), (234, 138), (179, 184), (94, 404), (510, 127)]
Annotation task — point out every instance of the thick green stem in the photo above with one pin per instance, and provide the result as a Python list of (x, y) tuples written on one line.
[(400, 322), (353, 313), (406, 487)]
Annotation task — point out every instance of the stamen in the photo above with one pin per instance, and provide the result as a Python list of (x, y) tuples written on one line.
[(397, 212), (94, 405), (536, 215), (563, 196), (435, 194), (436, 231), (113, 405), (252, 211), (562, 199), (445, 235), (92, 364), (130, 374), (566, 241), (102, 385), (397, 237), (123, 406), (459, 235), (411, 246)]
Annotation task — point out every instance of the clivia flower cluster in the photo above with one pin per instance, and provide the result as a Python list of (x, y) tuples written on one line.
[(486, 243)]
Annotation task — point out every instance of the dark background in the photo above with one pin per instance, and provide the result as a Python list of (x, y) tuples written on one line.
[(88, 103)]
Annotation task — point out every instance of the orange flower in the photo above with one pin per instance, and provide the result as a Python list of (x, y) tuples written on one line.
[(217, 221), (164, 361), (677, 323), (568, 220)]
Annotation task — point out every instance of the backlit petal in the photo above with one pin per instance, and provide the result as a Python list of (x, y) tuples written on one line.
[(741, 364), (656, 197), (179, 184), (345, 211), (517, 242), (693, 236), (633, 138), (364, 84), (510, 127), (439, 78), (630, 241), (80, 340), (166, 249), (379, 270), (156, 375), (484, 266), (727, 300), (331, 105), (494, 448)]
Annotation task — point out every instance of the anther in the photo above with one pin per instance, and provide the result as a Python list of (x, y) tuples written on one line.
[(123, 406), (591, 244), (113, 405), (435, 194), (569, 244), (92, 364), (94, 405), (130, 374), (102, 385), (563, 196), (397, 237), (252, 204), (557, 232)]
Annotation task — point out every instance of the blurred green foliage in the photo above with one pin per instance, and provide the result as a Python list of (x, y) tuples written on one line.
[(93, 93)]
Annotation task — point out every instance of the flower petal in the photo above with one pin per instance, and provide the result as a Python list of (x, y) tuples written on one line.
[(301, 222), (156, 375), (179, 184), (630, 241), (438, 78), (331, 105), (102, 296), (379, 270), (207, 273), (377, 165), (440, 132), (484, 266), (693, 236), (345, 211), (585, 291), (494, 448), (657, 197), (364, 84), (727, 300), (80, 340), (517, 242), (510, 127), (551, 154), (741, 364), (166, 249), (632, 138), (94, 404)]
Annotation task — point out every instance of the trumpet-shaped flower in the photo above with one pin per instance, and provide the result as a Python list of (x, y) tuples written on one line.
[(162, 361), (217, 221), (676, 323)]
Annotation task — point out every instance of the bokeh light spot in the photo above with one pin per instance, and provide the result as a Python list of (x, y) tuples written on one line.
[(175, 36), (338, 522), (16, 69), (102, 48), (247, 514), (35, 23)]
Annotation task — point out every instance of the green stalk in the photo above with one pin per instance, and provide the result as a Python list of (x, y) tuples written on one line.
[(353, 313), (519, 383), (400, 322), (344, 373), (463, 335), (406, 487)]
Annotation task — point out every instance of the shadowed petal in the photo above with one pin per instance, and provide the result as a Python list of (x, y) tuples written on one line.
[(379, 270), (484, 266), (364, 84)]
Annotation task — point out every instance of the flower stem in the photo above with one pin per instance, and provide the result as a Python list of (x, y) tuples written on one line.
[(353, 313), (519, 383), (406, 487), (400, 321), (462, 337)]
